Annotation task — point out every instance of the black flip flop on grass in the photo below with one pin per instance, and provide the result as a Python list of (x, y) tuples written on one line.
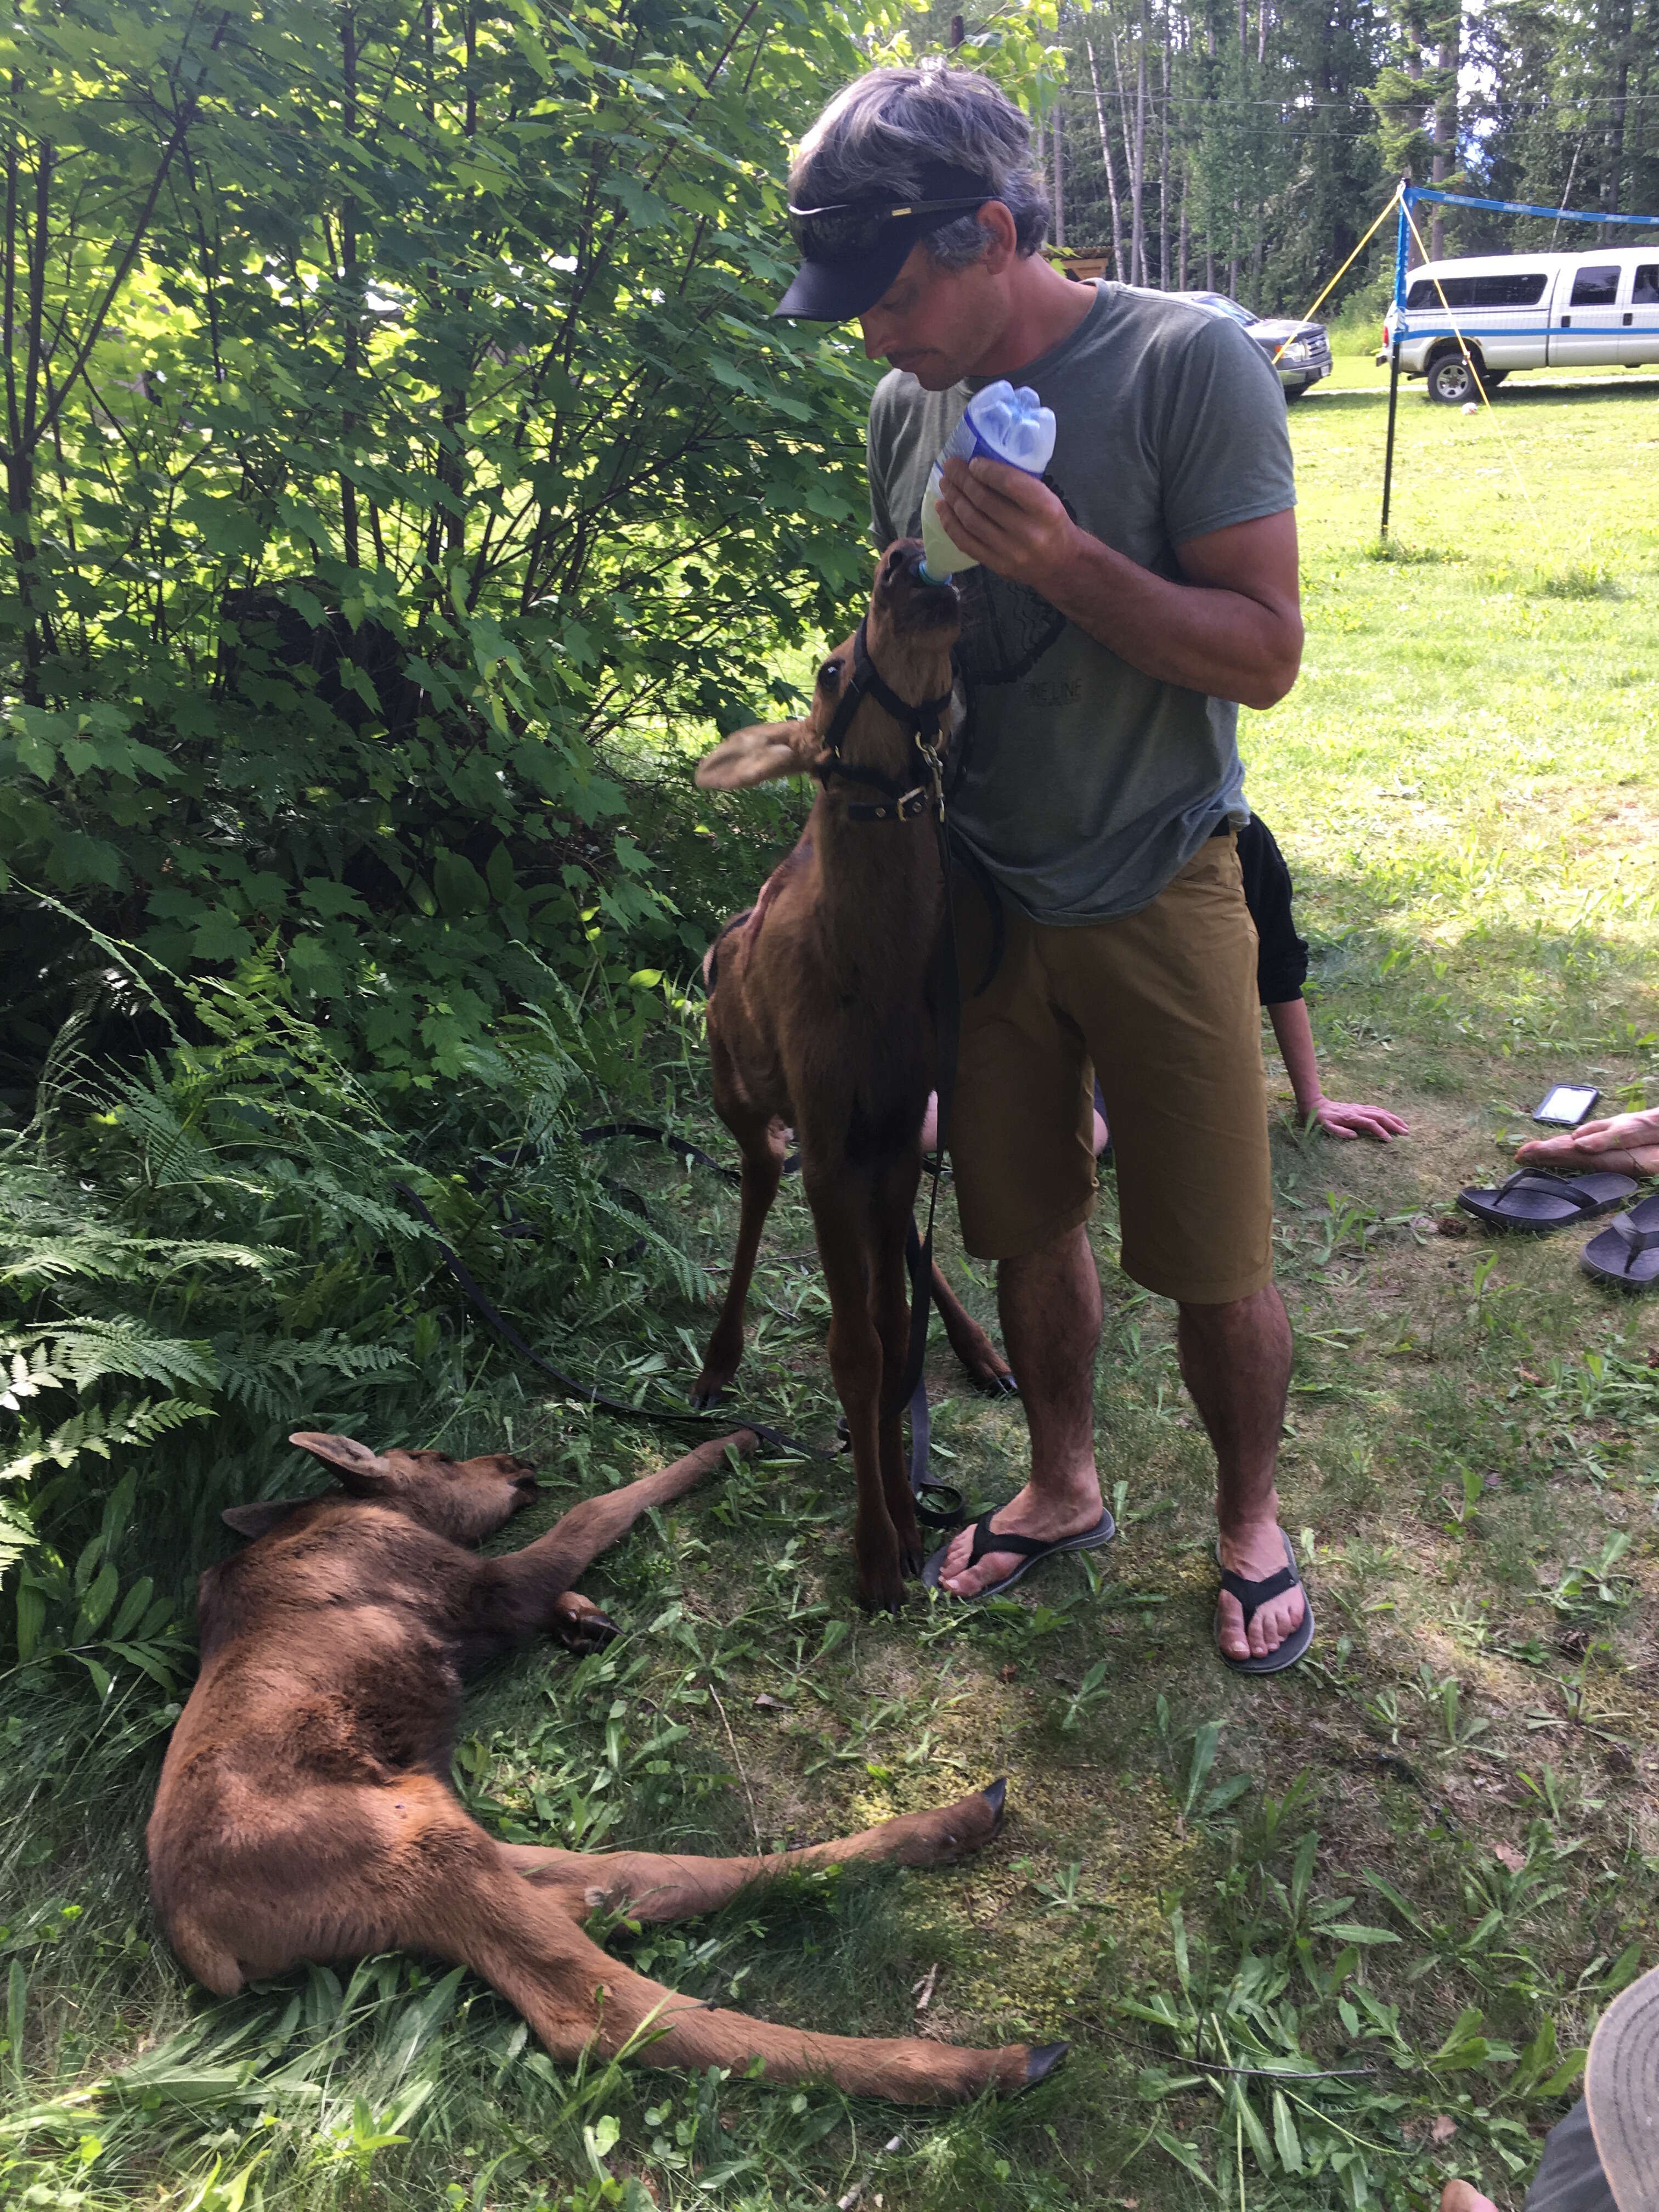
[(1538, 1202), (1252, 1596), (1626, 1252), (1030, 1548)]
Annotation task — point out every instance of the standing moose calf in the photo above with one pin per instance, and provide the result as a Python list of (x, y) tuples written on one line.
[(304, 1811), (821, 1019)]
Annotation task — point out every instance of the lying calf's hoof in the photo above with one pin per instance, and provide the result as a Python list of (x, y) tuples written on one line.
[(1042, 2061), (996, 1796)]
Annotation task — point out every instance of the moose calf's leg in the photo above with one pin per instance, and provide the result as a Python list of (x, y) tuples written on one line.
[(525, 1944), (762, 1166), (534, 1582), (660, 2029), (841, 1217), (972, 1346), (665, 1885), (890, 1207)]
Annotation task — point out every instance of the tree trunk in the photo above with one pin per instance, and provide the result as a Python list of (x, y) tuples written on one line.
[(1059, 181), (1448, 59), (1180, 280), (1613, 146), (1130, 275), (1111, 172), (1164, 170), (1138, 242), (349, 286)]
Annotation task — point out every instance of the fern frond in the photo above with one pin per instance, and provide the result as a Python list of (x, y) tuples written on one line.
[(83, 1351), (91, 1430)]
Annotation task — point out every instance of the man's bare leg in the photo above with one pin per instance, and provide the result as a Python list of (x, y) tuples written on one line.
[(1049, 1302), (1236, 1362)]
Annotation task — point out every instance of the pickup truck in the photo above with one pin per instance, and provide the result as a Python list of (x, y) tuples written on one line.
[(1525, 310)]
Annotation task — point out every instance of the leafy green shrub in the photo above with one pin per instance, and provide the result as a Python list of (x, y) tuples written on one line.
[(419, 446), (198, 1254)]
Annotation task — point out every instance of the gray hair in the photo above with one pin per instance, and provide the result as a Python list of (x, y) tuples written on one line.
[(878, 135)]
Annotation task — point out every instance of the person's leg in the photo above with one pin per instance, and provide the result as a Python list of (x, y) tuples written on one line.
[(1236, 1362), (1025, 1185), (1166, 1000), (1049, 1302)]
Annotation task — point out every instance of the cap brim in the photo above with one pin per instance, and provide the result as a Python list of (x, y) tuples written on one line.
[(1621, 2088), (835, 291)]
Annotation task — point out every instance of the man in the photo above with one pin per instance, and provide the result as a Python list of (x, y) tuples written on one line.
[(1124, 603)]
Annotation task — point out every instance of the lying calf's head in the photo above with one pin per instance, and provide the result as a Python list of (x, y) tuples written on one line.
[(465, 1499)]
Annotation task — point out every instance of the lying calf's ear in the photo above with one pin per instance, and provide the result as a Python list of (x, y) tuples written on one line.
[(760, 754), (256, 1521), (362, 1472)]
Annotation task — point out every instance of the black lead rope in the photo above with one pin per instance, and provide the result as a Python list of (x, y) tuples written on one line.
[(589, 1394), (948, 1513)]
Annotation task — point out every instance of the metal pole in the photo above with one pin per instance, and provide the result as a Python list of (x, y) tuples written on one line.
[(1401, 243), (1388, 456)]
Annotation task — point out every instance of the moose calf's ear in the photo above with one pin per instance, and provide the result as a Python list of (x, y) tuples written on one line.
[(758, 755), (256, 1521), (362, 1472)]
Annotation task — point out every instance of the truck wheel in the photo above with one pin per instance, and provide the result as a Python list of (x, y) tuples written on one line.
[(1451, 380)]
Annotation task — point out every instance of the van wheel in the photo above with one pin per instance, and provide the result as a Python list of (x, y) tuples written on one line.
[(1451, 380)]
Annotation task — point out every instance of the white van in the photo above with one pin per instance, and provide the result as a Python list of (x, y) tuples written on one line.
[(1526, 311)]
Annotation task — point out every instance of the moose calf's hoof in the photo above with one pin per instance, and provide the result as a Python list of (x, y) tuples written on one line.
[(1042, 2061), (996, 1796)]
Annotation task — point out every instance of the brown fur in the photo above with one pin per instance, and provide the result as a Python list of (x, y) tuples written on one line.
[(304, 1810), (821, 1020)]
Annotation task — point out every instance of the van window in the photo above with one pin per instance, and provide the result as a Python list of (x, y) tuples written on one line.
[(1514, 289), (1645, 292), (1597, 287), (1511, 288)]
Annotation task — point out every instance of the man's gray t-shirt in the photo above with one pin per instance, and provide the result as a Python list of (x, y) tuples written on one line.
[(1087, 785)]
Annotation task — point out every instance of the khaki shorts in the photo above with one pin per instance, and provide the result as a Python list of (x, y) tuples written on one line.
[(1163, 1004)]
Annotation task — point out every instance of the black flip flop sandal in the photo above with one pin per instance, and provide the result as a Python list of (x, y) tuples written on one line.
[(1541, 1202), (1252, 1596), (1626, 1252), (1030, 1548)]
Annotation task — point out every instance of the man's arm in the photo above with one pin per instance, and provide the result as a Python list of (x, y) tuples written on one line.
[(1231, 629)]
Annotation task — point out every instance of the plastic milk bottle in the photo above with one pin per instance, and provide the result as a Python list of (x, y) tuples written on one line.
[(1007, 425)]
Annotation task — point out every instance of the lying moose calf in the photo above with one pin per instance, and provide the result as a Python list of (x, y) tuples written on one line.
[(304, 1811)]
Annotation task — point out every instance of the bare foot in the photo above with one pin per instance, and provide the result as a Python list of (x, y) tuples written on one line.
[(1046, 1518), (1464, 2196), (1256, 1550), (1623, 1144)]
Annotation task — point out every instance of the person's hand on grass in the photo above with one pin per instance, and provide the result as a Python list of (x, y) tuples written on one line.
[(1464, 2196), (1623, 1144), (1338, 1119)]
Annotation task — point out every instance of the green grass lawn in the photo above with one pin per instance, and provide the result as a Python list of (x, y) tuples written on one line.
[(1411, 1871)]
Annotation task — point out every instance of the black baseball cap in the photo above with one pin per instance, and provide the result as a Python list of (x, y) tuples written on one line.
[(852, 250)]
